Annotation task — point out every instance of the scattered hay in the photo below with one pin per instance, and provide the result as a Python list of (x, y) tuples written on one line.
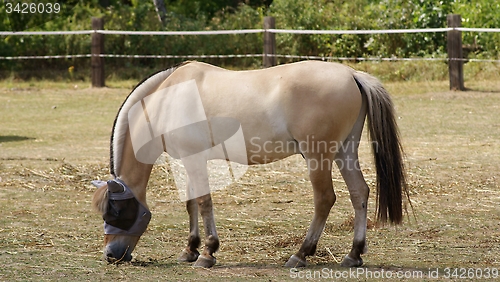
[(63, 176), (289, 240), (348, 225)]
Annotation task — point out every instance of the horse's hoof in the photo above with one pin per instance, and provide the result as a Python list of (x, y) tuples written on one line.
[(350, 262), (295, 261), (188, 256), (204, 261)]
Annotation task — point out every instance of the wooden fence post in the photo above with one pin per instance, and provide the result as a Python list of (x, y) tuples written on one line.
[(97, 62), (455, 56), (269, 43)]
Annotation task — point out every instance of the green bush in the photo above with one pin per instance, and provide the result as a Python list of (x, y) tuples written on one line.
[(218, 14), (480, 14), (387, 14)]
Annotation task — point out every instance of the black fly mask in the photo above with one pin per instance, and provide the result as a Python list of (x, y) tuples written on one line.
[(125, 214)]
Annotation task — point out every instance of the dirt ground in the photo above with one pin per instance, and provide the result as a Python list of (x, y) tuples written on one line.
[(54, 140)]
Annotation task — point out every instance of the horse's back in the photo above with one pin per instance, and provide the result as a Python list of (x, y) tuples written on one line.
[(299, 84), (281, 104), (305, 71)]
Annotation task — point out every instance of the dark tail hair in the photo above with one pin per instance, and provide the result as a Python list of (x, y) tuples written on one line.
[(387, 149)]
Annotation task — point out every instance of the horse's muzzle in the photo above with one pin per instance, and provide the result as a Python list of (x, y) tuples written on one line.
[(117, 254)]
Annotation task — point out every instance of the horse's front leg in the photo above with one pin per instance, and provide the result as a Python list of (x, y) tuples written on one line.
[(190, 253), (199, 190), (206, 259)]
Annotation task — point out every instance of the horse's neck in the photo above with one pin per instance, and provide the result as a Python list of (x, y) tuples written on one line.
[(134, 173)]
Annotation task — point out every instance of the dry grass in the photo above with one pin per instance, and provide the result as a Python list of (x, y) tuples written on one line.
[(49, 154)]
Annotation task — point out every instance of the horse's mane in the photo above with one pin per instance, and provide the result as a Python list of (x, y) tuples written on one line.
[(120, 126), (100, 199)]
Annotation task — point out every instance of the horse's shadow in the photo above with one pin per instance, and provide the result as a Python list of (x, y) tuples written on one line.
[(14, 138), (333, 269)]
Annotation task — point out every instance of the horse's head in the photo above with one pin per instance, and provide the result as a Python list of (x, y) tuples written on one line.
[(125, 219)]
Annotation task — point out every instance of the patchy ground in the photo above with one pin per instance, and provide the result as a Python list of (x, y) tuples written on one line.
[(54, 140)]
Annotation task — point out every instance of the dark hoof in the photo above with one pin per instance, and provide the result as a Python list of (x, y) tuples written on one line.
[(204, 261), (350, 262), (295, 261), (188, 256)]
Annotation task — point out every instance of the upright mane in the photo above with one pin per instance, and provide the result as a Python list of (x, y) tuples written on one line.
[(121, 124)]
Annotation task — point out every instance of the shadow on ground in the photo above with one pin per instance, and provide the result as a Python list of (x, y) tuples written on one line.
[(14, 138)]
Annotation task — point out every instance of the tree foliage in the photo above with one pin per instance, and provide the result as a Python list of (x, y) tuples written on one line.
[(245, 14)]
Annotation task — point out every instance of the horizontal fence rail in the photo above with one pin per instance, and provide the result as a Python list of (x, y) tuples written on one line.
[(305, 57), (269, 55), (243, 31), (250, 31), (135, 56)]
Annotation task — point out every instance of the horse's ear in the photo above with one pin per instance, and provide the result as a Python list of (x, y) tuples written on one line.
[(98, 183), (114, 187)]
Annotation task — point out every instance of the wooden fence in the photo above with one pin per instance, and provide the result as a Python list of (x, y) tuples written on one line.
[(454, 48)]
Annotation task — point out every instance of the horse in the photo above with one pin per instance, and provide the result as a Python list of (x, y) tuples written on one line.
[(287, 109)]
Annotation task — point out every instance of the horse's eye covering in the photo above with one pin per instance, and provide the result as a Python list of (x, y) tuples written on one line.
[(122, 213)]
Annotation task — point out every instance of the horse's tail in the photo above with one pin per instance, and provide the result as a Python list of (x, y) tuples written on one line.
[(387, 149)]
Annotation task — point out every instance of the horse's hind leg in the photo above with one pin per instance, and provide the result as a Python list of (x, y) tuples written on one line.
[(348, 163), (324, 197), (191, 253), (358, 191)]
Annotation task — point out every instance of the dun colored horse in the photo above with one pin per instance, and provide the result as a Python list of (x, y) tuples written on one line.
[(316, 109)]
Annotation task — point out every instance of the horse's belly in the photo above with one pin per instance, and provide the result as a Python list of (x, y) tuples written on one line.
[(262, 151)]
